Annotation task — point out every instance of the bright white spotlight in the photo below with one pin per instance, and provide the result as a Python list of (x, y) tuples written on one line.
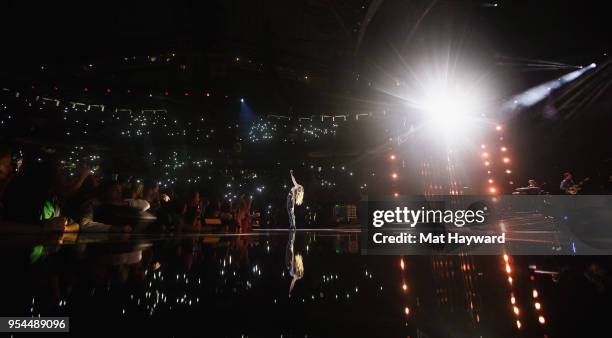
[(449, 110), (242, 100)]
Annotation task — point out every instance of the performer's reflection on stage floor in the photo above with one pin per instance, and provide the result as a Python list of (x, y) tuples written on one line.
[(292, 261)]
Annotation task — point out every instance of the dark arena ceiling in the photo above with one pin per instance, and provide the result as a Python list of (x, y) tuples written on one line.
[(297, 57)]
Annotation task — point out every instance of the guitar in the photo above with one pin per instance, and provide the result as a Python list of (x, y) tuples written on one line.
[(574, 189)]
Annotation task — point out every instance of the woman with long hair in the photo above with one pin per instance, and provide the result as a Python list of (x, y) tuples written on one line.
[(295, 196)]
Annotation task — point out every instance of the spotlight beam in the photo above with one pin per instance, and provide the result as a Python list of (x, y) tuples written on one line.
[(538, 93)]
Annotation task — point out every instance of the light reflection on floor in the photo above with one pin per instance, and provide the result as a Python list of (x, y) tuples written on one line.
[(237, 284)]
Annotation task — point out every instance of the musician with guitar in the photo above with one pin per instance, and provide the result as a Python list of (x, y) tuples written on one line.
[(569, 187)]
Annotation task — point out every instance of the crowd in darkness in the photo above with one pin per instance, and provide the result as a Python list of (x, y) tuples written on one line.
[(42, 193), (70, 166)]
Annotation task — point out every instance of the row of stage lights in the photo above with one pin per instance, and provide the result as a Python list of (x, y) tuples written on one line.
[(404, 286), (395, 176), (513, 301), (487, 156)]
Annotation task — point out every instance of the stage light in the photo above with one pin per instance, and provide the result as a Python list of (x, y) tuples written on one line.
[(508, 171), (448, 110), (506, 160), (538, 93), (535, 293), (450, 103), (498, 128), (392, 157), (542, 320), (242, 100), (394, 175), (503, 149), (537, 305), (406, 311), (485, 154)]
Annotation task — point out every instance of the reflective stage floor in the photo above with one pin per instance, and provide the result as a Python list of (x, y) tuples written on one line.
[(234, 285)]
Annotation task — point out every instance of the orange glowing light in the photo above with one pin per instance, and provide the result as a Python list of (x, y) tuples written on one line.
[(490, 180), (516, 310), (512, 300), (404, 287), (503, 149), (510, 280), (518, 324), (541, 319), (492, 190), (508, 269), (406, 310), (505, 258), (508, 171), (506, 160), (486, 163), (396, 194), (402, 264)]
